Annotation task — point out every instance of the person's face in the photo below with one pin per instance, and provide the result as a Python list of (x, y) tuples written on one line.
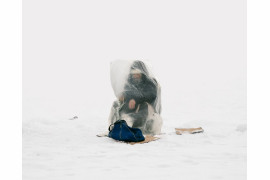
[(136, 76)]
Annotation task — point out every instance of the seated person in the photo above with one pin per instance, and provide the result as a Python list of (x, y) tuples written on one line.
[(138, 101)]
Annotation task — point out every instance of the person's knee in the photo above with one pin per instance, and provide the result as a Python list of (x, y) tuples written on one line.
[(149, 125), (115, 104)]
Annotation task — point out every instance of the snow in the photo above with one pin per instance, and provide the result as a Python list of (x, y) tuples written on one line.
[(69, 149)]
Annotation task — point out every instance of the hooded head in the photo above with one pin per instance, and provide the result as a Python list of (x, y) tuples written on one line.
[(139, 66), (138, 72)]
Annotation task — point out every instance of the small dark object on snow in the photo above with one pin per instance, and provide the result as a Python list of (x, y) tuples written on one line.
[(75, 117)]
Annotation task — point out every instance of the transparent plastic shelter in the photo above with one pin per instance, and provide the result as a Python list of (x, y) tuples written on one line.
[(138, 96)]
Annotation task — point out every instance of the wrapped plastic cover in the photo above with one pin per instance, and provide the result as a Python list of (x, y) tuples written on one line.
[(138, 96)]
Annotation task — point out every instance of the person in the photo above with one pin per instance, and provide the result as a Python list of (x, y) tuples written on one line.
[(139, 100)]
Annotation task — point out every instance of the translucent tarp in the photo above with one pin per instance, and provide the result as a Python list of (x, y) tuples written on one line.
[(138, 96)]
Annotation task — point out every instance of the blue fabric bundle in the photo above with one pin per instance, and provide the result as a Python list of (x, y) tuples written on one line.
[(122, 132)]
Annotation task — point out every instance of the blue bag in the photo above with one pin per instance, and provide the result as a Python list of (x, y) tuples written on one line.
[(122, 132)]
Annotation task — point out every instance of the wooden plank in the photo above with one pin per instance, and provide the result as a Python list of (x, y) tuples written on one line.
[(180, 131), (147, 140)]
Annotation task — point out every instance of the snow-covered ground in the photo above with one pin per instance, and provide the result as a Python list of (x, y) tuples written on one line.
[(66, 149)]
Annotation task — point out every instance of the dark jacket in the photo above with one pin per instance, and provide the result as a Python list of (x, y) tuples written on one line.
[(141, 92)]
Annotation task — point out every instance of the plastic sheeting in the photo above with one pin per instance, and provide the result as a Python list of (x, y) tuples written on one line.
[(138, 96)]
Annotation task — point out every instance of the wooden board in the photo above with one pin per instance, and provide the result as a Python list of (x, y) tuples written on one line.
[(181, 131), (147, 140)]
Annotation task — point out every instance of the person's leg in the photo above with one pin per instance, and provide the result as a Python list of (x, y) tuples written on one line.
[(140, 116), (153, 123), (145, 119)]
